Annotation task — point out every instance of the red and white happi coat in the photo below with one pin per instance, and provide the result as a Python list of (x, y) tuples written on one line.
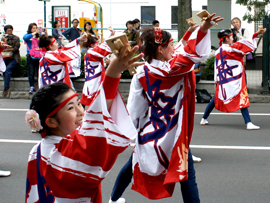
[(94, 71), (74, 166), (2, 63), (231, 89), (53, 65), (162, 106)]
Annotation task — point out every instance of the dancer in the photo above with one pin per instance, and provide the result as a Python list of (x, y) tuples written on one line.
[(94, 67), (162, 106), (53, 65), (77, 149), (231, 90)]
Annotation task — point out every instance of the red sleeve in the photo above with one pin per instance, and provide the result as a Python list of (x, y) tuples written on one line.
[(110, 86), (200, 36), (255, 35), (1, 49), (187, 35)]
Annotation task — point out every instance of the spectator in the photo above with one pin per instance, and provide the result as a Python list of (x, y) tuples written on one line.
[(132, 35), (72, 33), (88, 30), (57, 34), (11, 63), (136, 24), (241, 33), (30, 37), (155, 23)]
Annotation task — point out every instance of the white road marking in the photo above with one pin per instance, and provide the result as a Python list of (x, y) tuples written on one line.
[(192, 146), (20, 141), (196, 113)]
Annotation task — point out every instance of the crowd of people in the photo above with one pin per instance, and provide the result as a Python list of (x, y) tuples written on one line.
[(76, 141)]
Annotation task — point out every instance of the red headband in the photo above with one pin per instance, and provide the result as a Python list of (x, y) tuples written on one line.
[(45, 49), (167, 42), (60, 106), (221, 39)]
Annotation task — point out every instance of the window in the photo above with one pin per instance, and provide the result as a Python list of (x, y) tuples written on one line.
[(174, 24), (148, 15)]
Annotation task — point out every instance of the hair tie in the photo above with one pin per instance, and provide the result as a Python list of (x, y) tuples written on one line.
[(158, 34), (32, 120), (221, 39)]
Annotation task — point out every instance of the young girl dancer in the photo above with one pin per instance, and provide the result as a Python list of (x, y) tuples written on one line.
[(162, 106), (78, 149), (53, 65), (94, 67), (231, 90)]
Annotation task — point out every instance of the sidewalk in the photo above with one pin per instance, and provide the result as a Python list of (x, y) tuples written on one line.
[(20, 87)]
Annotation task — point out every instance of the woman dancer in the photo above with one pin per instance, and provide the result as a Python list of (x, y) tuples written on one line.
[(162, 106), (53, 65), (231, 90)]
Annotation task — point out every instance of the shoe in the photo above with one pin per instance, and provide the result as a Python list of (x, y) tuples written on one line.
[(5, 173), (251, 126), (120, 200), (6, 91), (196, 159), (32, 90), (204, 122)]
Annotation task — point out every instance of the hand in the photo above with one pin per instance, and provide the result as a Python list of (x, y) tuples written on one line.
[(112, 33), (130, 42), (83, 38), (2, 44), (122, 62), (193, 27), (107, 61), (60, 38), (261, 31), (207, 25)]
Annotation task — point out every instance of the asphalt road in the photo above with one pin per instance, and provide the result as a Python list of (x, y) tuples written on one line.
[(235, 165)]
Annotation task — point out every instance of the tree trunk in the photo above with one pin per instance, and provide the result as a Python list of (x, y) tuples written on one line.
[(184, 12)]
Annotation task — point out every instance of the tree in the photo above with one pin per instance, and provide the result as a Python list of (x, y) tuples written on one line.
[(184, 12), (257, 5)]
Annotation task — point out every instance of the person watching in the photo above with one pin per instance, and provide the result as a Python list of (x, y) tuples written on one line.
[(57, 34), (132, 35), (241, 33), (136, 24), (155, 23), (11, 61), (72, 33)]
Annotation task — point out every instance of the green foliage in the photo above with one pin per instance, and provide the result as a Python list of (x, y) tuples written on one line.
[(258, 5), (22, 69), (208, 71)]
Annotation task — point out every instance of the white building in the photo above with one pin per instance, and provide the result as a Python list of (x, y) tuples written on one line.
[(20, 13)]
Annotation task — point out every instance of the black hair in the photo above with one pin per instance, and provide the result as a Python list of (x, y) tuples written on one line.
[(74, 20), (90, 40), (149, 46), (91, 30), (136, 20), (46, 99), (8, 27), (30, 26), (224, 33), (44, 41), (55, 23), (155, 22), (129, 22)]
